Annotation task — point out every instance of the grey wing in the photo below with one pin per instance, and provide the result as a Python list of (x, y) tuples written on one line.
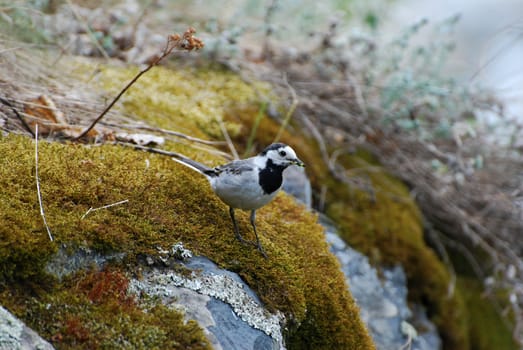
[(236, 167)]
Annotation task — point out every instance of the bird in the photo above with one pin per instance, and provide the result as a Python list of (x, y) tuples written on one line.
[(248, 184)]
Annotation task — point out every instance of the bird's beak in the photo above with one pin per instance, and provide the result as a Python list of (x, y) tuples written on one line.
[(298, 163)]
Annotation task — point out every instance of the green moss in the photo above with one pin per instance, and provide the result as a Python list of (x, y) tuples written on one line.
[(167, 203), (188, 100), (488, 329)]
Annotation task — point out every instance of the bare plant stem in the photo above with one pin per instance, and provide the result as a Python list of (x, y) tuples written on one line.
[(186, 42), (151, 149), (42, 213), (169, 132), (103, 207), (22, 120), (228, 139), (86, 131)]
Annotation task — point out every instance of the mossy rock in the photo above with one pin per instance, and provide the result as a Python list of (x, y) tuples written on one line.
[(92, 310), (188, 100), (386, 225), (488, 329), (161, 212), (166, 204)]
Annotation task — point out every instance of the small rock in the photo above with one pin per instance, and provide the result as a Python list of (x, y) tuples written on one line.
[(14, 334), (297, 184), (65, 262)]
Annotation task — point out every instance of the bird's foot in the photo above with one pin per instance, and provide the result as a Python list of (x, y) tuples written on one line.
[(262, 251), (243, 240), (252, 243)]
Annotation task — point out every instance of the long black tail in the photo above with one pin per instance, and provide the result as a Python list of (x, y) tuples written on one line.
[(199, 167)]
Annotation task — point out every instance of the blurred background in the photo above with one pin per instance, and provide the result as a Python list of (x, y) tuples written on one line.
[(433, 90), (489, 43), (477, 44)]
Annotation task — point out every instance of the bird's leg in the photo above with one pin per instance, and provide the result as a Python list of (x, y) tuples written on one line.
[(236, 229), (253, 223)]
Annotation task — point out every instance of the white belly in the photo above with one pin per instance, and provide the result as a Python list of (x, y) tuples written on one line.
[(237, 192)]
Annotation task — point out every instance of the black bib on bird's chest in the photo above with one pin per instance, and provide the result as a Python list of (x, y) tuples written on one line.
[(271, 177)]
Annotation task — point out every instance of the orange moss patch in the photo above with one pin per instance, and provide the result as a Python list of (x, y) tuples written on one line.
[(92, 310)]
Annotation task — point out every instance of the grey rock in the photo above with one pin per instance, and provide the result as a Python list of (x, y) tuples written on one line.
[(297, 184), (194, 306), (234, 334), (382, 302), (65, 262), (14, 334)]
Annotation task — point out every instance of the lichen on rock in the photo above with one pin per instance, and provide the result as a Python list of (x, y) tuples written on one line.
[(14, 334), (207, 279)]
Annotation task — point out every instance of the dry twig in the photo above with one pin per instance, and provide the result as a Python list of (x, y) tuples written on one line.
[(228, 139), (168, 132), (17, 114), (186, 42), (103, 207), (166, 153), (42, 213)]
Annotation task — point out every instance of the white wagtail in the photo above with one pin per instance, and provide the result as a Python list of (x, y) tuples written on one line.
[(248, 184)]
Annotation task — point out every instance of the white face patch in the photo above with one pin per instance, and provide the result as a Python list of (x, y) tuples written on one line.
[(282, 156)]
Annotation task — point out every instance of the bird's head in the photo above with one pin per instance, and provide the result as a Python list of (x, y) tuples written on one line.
[(281, 155)]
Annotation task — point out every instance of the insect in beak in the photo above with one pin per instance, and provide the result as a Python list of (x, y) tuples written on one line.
[(298, 163)]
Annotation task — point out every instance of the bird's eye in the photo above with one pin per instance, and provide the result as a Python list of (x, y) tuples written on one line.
[(283, 153)]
